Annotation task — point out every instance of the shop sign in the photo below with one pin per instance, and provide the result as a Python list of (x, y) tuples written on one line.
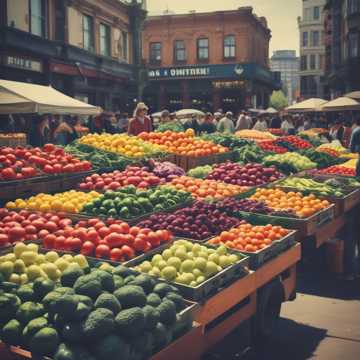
[(23, 63), (227, 72), (218, 84)]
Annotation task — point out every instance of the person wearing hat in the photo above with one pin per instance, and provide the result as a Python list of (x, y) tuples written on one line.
[(208, 126), (226, 124), (140, 122), (165, 117), (261, 124), (217, 118)]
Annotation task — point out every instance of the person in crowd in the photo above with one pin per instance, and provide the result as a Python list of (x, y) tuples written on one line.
[(336, 131), (192, 123), (300, 125), (40, 131), (244, 122), (208, 126), (307, 123), (217, 118), (140, 121), (226, 124), (287, 125), (122, 122), (355, 144), (347, 133), (322, 122), (261, 124), (275, 122), (165, 117), (65, 133), (173, 117), (97, 124)]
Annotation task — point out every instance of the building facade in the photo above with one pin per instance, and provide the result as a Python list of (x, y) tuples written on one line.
[(342, 26), (207, 60), (87, 49), (287, 64), (312, 49)]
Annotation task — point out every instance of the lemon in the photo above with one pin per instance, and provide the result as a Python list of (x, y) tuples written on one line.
[(10, 205)]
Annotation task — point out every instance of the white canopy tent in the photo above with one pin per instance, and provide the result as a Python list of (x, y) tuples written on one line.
[(308, 105), (189, 112), (271, 110), (353, 95), (341, 104), (20, 98)]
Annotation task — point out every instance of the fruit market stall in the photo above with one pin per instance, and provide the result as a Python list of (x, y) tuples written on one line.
[(145, 260)]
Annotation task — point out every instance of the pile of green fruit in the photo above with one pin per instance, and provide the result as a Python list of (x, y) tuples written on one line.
[(187, 263), (24, 264), (289, 162), (322, 159), (250, 153), (309, 186), (130, 202), (230, 141), (200, 172), (94, 314)]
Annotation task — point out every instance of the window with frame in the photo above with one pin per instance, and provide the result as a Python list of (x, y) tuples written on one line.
[(229, 46), (316, 13), (203, 49), (305, 39), (353, 44), (125, 45), (315, 38), (105, 40), (38, 18), (180, 51), (88, 33), (155, 52), (303, 62), (312, 61)]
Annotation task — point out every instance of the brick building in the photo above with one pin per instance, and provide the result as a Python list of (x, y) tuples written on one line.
[(207, 60), (86, 48)]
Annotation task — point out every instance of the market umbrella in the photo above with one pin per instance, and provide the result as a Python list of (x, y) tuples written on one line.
[(308, 105), (189, 112), (353, 95), (257, 111), (271, 110), (341, 104), (20, 98)]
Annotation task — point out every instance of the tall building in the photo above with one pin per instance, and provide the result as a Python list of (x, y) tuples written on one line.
[(312, 49), (342, 26), (287, 64), (207, 60), (88, 49)]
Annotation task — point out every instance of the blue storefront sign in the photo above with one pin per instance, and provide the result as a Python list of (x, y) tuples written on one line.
[(223, 71)]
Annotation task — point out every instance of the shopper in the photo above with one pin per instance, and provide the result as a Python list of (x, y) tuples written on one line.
[(217, 117), (192, 123), (336, 131), (261, 124), (65, 133), (39, 134), (165, 117), (307, 123), (122, 122), (140, 121), (208, 126), (347, 133), (275, 122), (226, 124), (244, 122), (287, 125)]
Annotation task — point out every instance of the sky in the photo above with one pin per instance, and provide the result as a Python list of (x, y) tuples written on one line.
[(281, 15)]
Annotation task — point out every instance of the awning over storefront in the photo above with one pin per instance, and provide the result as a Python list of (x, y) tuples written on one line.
[(19, 98)]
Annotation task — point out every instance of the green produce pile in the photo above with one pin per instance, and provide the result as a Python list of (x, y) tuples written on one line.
[(94, 314), (322, 159), (172, 126), (98, 158), (250, 154), (229, 141), (313, 140), (187, 263), (130, 202), (308, 186), (200, 172), (289, 163)]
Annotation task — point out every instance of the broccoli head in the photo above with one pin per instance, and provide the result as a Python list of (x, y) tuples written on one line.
[(71, 274), (66, 306), (145, 281), (99, 323), (11, 333), (106, 279), (28, 311), (25, 293), (89, 286), (112, 347), (167, 311), (130, 322), (9, 304), (152, 317), (131, 296), (108, 301), (42, 287), (153, 300), (33, 327), (44, 342)]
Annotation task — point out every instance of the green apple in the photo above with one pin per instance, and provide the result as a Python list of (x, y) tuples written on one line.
[(61, 264), (68, 258), (203, 254), (19, 266), (188, 277), (224, 261), (161, 264), (145, 266), (167, 254), (187, 266), (7, 268), (33, 247), (197, 272), (222, 250), (156, 259), (200, 279), (23, 279), (175, 262), (81, 261), (200, 263), (19, 248), (168, 273), (234, 258), (33, 272), (196, 248), (214, 258), (181, 253), (40, 259), (15, 278), (155, 271), (52, 256), (211, 269)]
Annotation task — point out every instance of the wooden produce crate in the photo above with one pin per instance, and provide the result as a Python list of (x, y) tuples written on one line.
[(209, 287)]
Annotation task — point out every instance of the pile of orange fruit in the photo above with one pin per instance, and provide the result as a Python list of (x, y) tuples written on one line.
[(202, 189), (247, 237), (183, 143), (302, 206)]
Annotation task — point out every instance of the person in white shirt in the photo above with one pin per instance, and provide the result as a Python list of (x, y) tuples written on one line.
[(287, 125), (261, 124), (217, 118), (243, 122), (226, 124)]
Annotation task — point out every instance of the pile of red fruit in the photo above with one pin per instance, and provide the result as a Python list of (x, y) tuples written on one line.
[(12, 167), (110, 239), (271, 147), (277, 132), (338, 170), (248, 175), (133, 175), (295, 142)]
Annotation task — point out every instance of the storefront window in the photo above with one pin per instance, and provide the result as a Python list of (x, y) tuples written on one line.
[(180, 51), (203, 49), (105, 40), (88, 32), (229, 46), (37, 9), (155, 53)]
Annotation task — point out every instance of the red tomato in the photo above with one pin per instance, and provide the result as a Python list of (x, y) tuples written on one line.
[(4, 239), (92, 236), (60, 243), (8, 174), (17, 232), (42, 233), (73, 244), (104, 231), (48, 169), (49, 148), (38, 223), (134, 231), (87, 248), (65, 222), (128, 252), (140, 244), (51, 226), (102, 251), (153, 238), (116, 254), (30, 229), (49, 241)]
